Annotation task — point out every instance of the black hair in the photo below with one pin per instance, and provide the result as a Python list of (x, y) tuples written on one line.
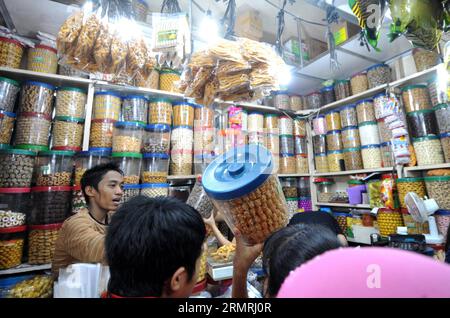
[(148, 240), (92, 177), (447, 245), (292, 246)]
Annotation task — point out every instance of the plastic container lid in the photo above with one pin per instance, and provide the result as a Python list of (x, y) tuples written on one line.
[(11, 281), (408, 87), (57, 153), (323, 154), (18, 152), (51, 189), (327, 89), (355, 182), (351, 149), (333, 132), (158, 127), (438, 178), (376, 66), (237, 172), (45, 85), (380, 95), (154, 185), (430, 137), (15, 190), (54, 226), (280, 93), (284, 155), (385, 144), (102, 152), (422, 111), (367, 100), (167, 71), (367, 123), (71, 119), (348, 106), (135, 97), (442, 212), (441, 106), (156, 155), (14, 229), (350, 127), (160, 100), (71, 89), (131, 124), (126, 155), (4, 146), (445, 135), (34, 148), (3, 39), (405, 180), (370, 146), (37, 115), (183, 104), (287, 136), (10, 81), (333, 152), (341, 214), (131, 186), (110, 93), (291, 199), (342, 81)]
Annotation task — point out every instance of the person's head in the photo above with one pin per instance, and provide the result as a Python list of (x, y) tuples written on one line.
[(102, 186), (447, 245), (291, 247), (153, 248)]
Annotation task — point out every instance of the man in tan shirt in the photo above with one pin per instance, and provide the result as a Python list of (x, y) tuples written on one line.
[(82, 236)]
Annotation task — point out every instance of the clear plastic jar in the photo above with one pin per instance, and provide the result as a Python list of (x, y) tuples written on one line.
[(438, 188), (107, 105), (54, 168), (442, 114), (425, 59), (181, 162), (182, 138), (405, 185), (128, 136), (320, 125), (292, 205), (378, 74), (281, 100), (342, 89), (324, 190), (130, 191), (32, 129), (201, 162), (168, 80), (271, 123), (300, 127), (428, 150), (380, 102), (321, 163), (333, 120), (371, 156), (353, 159), (256, 138), (286, 144), (255, 122), (303, 187), (101, 135), (359, 83), (295, 102), (36, 97), (6, 126), (335, 161), (12, 240), (43, 59), (203, 117), (445, 143), (160, 111), (368, 133), (87, 159), (438, 92), (334, 141), (42, 239), (154, 190), (365, 111), (288, 164), (11, 52), (286, 125), (135, 108), (328, 96), (416, 97), (348, 116), (8, 94), (300, 145), (130, 164), (70, 102), (140, 9), (289, 187), (422, 123), (388, 221), (319, 144), (314, 100), (78, 200), (50, 204), (384, 131), (16, 168), (204, 139), (67, 133), (302, 164), (155, 168), (15, 203), (272, 143), (387, 157), (183, 114), (350, 137)]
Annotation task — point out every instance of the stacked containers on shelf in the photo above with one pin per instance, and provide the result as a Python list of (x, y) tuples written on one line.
[(130, 191), (154, 190), (314, 100), (438, 189), (135, 109), (320, 153), (41, 240), (11, 52), (281, 100), (359, 83), (182, 139), (128, 136), (204, 137), (155, 168), (378, 74), (341, 89), (300, 145), (289, 187), (42, 59), (334, 146), (388, 221), (425, 59), (70, 102), (368, 134), (156, 139), (296, 102), (405, 185), (287, 156), (348, 116), (160, 111), (438, 91), (271, 138)]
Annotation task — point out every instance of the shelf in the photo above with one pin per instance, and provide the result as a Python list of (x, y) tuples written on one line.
[(267, 109), (131, 90), (279, 175), (343, 173), (429, 167), (294, 175), (181, 177), (345, 205), (24, 268)]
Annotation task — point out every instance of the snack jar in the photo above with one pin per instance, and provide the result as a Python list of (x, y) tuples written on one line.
[(282, 100), (348, 116), (368, 133), (156, 139), (320, 125), (324, 189), (78, 200), (333, 120), (328, 96), (342, 89), (425, 59), (289, 187), (353, 159), (302, 164), (428, 150), (160, 111), (287, 163), (387, 157), (300, 126), (70, 101), (255, 122), (319, 144), (350, 137), (130, 191), (36, 97), (365, 111), (54, 168), (43, 59), (388, 221), (182, 138), (154, 190), (286, 144), (181, 162), (304, 189), (296, 102), (85, 160), (130, 164), (371, 156), (183, 114), (378, 74), (50, 204), (416, 97), (286, 125), (442, 221), (422, 123), (321, 163), (6, 126), (271, 124), (300, 145), (168, 79), (33, 129), (155, 168), (11, 52), (445, 143), (67, 133), (16, 168), (272, 143), (438, 91), (16, 204), (42, 239), (128, 136), (101, 135), (335, 160), (442, 113), (12, 240), (107, 105), (241, 184), (27, 286), (203, 117), (135, 108), (359, 83), (334, 140), (438, 188), (314, 100), (380, 102), (292, 204), (9, 90), (405, 185)]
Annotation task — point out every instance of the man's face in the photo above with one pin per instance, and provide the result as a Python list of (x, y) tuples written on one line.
[(109, 192)]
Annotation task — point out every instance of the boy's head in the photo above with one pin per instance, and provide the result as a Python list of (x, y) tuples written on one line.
[(153, 248), (102, 186)]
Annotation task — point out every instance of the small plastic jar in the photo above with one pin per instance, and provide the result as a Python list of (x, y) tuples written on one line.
[(379, 103), (42, 239), (130, 164), (70, 102), (16, 204), (287, 163), (365, 111), (50, 204), (154, 190), (350, 137), (286, 125), (425, 59), (135, 108), (445, 143), (128, 136), (183, 114), (182, 138), (11, 52), (438, 92), (140, 9), (160, 111), (359, 83), (289, 187), (302, 164), (181, 162), (203, 117), (255, 122), (319, 144), (324, 189), (32, 129), (6, 126), (87, 159), (428, 150), (281, 100), (36, 97), (78, 200), (54, 168), (12, 241), (16, 168), (300, 127), (314, 100), (157, 139), (286, 144), (155, 168), (371, 156), (107, 105), (67, 133), (300, 145), (416, 97), (335, 161), (101, 135), (303, 187), (348, 116), (422, 123), (296, 102), (368, 133), (271, 124), (43, 59), (334, 141), (320, 125), (442, 114), (388, 221), (342, 89), (8, 94), (328, 96), (333, 120), (438, 189), (405, 185), (353, 159), (168, 79), (321, 163), (387, 157), (378, 74), (130, 191), (384, 131)]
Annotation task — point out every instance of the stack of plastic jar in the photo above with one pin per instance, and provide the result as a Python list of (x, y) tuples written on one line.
[(8, 94), (387, 157), (160, 111), (272, 143), (428, 150), (335, 160), (167, 80), (422, 123), (281, 100), (70, 101), (11, 52), (128, 136), (101, 135), (348, 116), (416, 97), (32, 131), (353, 159), (87, 159), (442, 113), (321, 163), (204, 139), (438, 92), (183, 114), (67, 133), (155, 168), (130, 164), (368, 133), (107, 105), (54, 168), (378, 74), (359, 83), (328, 96), (333, 120), (6, 127), (350, 137), (296, 102), (365, 111), (135, 108), (181, 150), (319, 144), (334, 141), (320, 125), (371, 156), (425, 59), (43, 59), (314, 100), (12, 239), (288, 164), (342, 89), (181, 162)]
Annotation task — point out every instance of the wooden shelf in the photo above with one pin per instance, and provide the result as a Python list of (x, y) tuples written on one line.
[(345, 205), (343, 173), (24, 268)]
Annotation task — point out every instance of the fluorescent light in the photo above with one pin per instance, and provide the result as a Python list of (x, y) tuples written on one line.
[(209, 30)]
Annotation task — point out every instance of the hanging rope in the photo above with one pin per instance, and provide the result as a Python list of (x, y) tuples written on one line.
[(332, 17), (280, 30), (170, 6)]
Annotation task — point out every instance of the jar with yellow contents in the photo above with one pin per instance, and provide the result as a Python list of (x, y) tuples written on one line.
[(388, 221), (11, 246), (168, 79), (11, 52), (43, 59)]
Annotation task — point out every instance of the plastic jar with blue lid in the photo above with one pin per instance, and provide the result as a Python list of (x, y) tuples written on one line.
[(157, 138), (130, 191), (128, 136), (371, 156), (107, 105), (36, 97), (85, 160), (135, 108), (155, 168), (7, 120), (378, 74), (154, 190)]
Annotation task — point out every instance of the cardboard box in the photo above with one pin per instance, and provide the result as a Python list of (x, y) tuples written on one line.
[(343, 31), (311, 48), (315, 47), (249, 24)]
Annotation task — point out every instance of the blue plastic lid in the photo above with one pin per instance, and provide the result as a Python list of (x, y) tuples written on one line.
[(322, 154), (327, 88), (377, 65), (11, 281), (131, 186), (158, 127), (341, 214), (333, 132), (384, 144), (445, 135), (370, 146), (280, 93), (106, 152), (350, 127), (136, 97), (45, 85), (321, 116), (182, 126), (156, 155), (255, 113), (332, 111), (348, 106), (333, 152), (120, 124), (12, 115), (442, 212), (283, 155), (367, 100), (184, 103), (154, 185), (108, 93), (237, 172)]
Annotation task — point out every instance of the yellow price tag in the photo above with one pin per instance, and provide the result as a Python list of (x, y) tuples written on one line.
[(340, 36)]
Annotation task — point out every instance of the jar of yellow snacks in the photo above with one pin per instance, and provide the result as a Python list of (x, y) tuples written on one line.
[(167, 80), (11, 246), (43, 59)]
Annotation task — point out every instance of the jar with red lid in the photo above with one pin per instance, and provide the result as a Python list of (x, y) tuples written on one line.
[(11, 52), (12, 240), (54, 168), (67, 133), (33, 129), (16, 200), (50, 204), (42, 239), (43, 59), (16, 168)]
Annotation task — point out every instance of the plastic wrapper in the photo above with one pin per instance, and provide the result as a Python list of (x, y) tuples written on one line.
[(374, 189), (387, 192)]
